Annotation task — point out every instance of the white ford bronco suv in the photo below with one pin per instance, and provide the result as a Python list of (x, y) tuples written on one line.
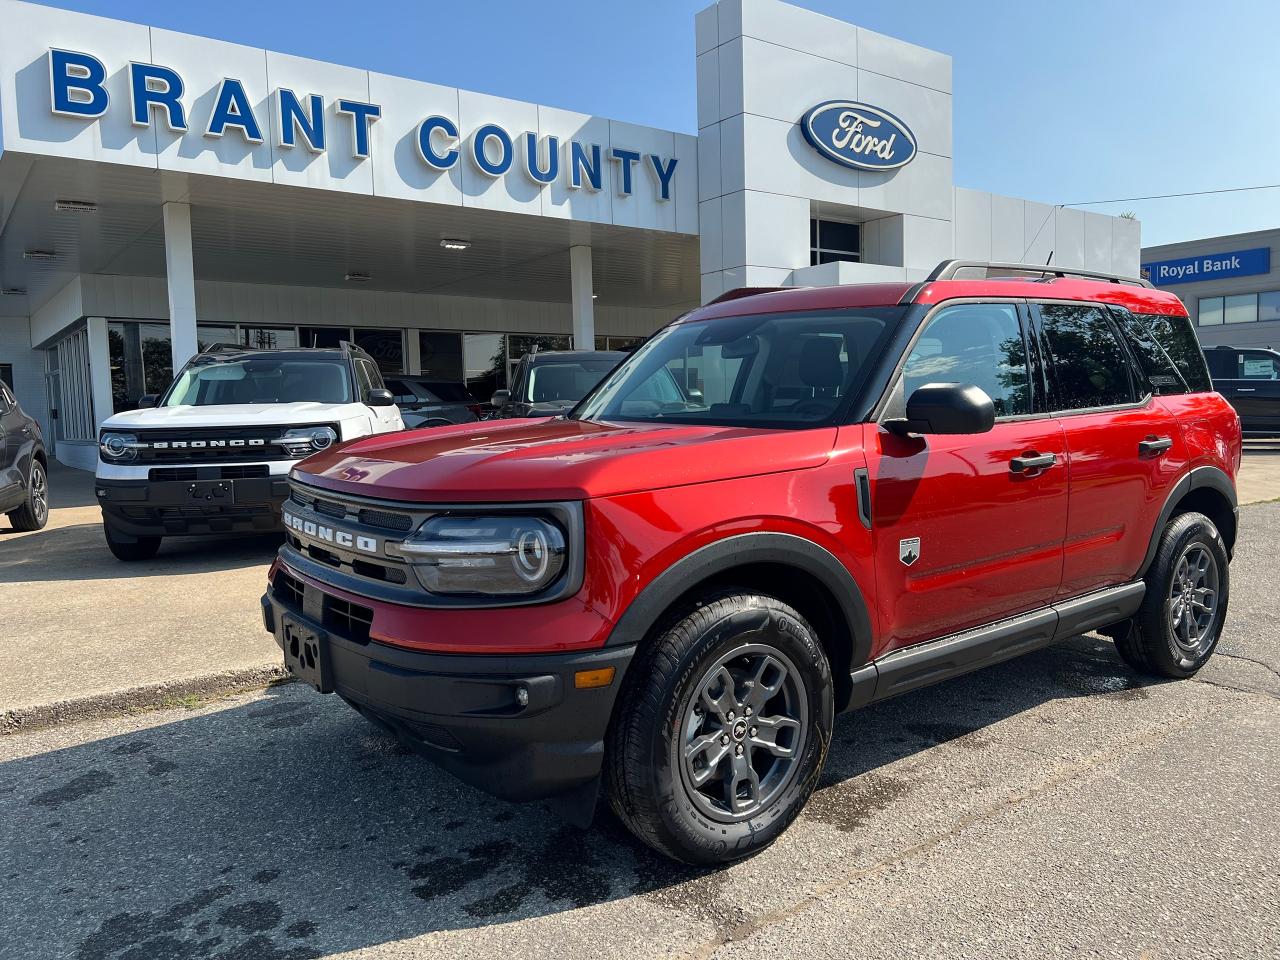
[(213, 453)]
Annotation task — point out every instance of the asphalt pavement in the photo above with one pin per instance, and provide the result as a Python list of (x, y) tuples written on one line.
[(1057, 805)]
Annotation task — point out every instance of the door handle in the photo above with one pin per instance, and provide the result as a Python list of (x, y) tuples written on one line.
[(1245, 389), (1153, 446), (1032, 461)]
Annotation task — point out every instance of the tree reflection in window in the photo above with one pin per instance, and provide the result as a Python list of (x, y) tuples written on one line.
[(978, 343), (1089, 363)]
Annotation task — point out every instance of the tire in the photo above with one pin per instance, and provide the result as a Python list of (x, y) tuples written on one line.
[(128, 548), (1167, 637), (675, 696), (34, 512)]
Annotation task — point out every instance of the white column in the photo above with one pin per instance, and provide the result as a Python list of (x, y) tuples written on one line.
[(181, 274), (580, 287), (99, 369)]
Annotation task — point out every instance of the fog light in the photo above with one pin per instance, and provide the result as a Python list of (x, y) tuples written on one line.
[(522, 696), (590, 679)]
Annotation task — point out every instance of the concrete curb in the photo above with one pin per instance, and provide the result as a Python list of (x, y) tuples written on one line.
[(145, 697)]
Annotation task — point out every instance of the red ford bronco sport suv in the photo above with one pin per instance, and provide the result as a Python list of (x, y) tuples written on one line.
[(781, 507)]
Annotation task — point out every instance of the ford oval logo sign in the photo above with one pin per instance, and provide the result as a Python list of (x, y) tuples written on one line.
[(858, 135)]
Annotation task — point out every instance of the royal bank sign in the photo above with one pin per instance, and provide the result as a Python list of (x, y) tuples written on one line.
[(858, 135), (78, 88)]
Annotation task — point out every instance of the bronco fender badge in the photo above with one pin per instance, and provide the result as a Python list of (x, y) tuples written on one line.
[(909, 551)]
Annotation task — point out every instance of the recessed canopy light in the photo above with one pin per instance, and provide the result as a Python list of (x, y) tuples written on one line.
[(595, 296), (450, 244), (38, 255), (357, 277), (75, 206)]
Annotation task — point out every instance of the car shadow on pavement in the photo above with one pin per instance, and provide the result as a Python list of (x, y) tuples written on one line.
[(79, 552), (287, 827)]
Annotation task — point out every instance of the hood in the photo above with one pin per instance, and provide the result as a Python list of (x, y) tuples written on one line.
[(529, 460), (235, 415), (551, 408)]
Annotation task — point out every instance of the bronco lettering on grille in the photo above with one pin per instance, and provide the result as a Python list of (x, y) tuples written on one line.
[(324, 534)]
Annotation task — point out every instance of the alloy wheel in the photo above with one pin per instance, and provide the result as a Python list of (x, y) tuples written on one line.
[(1193, 600), (743, 733), (39, 494)]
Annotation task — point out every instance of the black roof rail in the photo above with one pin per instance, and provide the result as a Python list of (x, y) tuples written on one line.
[(948, 269)]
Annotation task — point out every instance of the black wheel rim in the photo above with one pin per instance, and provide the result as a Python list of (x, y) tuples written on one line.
[(39, 494), (743, 733), (1192, 606)]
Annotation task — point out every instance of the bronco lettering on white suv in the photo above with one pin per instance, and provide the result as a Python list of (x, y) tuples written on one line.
[(213, 454)]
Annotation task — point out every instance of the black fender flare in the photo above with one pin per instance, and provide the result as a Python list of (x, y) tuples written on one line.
[(1197, 478), (742, 550)]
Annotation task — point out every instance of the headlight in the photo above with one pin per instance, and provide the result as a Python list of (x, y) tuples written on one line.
[(118, 446), (496, 556), (304, 441)]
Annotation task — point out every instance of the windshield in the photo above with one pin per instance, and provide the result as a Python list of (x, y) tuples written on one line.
[(261, 380), (565, 381), (773, 370)]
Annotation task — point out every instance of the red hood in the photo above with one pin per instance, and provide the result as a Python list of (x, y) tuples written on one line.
[(556, 459)]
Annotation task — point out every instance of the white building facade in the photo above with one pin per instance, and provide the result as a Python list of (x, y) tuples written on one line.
[(160, 191)]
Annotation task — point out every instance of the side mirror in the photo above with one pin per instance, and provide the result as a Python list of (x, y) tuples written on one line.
[(946, 408), (147, 400), (500, 397), (380, 398)]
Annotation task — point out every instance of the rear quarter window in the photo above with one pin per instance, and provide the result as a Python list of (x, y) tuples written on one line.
[(1178, 340)]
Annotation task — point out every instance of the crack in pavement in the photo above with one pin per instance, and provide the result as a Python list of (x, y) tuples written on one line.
[(1076, 771)]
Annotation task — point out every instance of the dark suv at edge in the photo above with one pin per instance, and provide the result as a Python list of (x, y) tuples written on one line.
[(24, 466)]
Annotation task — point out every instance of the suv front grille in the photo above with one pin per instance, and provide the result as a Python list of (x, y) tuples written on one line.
[(369, 516), (240, 471), (212, 444), (351, 621)]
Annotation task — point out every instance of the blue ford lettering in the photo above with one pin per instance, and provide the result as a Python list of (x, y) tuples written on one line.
[(858, 135)]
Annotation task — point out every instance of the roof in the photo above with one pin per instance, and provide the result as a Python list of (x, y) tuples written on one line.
[(1136, 298), (226, 352), (571, 356)]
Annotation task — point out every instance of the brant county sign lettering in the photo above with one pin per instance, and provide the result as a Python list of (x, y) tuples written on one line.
[(858, 135), (78, 88)]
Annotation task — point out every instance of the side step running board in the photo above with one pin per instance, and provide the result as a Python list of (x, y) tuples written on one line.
[(923, 664)]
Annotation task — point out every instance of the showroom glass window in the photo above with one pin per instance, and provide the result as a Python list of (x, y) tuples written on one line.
[(833, 240), (1242, 308), (440, 356), (485, 363), (141, 360), (270, 338), (385, 346), (326, 337)]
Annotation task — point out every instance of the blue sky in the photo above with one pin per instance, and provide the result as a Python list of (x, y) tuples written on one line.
[(1057, 102)]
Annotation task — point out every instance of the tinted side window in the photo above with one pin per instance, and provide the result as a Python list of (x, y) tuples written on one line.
[(1258, 365), (1090, 367), (1159, 375), (1180, 343), (371, 374), (978, 343)]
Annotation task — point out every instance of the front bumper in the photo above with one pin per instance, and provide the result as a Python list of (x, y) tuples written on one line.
[(461, 710), (161, 508)]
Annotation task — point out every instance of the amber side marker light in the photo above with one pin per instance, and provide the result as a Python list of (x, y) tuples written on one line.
[(589, 679)]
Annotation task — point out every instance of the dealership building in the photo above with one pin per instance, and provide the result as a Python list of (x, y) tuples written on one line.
[(1230, 285), (159, 191)]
